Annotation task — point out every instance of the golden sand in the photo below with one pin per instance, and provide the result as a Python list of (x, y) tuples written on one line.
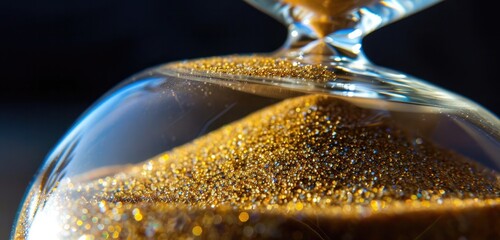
[(257, 66), (330, 7), (311, 167)]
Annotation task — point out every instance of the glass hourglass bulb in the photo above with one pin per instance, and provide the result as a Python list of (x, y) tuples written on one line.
[(309, 142)]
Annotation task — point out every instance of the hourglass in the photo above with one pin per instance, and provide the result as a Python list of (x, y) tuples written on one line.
[(312, 141)]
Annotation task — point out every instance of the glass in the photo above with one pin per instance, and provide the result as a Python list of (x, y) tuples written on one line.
[(309, 142)]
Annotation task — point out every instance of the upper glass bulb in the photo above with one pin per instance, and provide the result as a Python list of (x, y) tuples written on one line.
[(309, 142)]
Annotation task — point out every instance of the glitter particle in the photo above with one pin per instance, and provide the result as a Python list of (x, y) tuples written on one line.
[(243, 217), (197, 230), (137, 214)]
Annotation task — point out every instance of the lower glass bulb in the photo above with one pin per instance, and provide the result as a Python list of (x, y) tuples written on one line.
[(311, 142)]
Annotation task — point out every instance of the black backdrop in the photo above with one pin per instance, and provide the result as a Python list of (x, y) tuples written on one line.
[(57, 57)]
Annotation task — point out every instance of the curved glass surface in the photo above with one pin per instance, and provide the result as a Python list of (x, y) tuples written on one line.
[(117, 168), (310, 142)]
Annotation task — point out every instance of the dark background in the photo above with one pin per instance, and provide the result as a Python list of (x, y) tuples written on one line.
[(59, 56)]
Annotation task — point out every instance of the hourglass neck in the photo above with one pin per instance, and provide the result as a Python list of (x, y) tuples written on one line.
[(332, 30), (333, 41)]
